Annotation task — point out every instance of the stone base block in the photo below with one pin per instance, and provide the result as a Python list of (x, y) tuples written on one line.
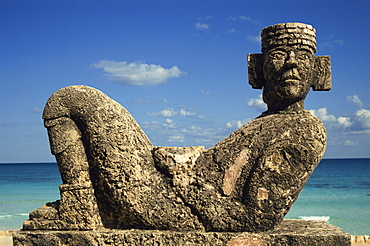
[(290, 232)]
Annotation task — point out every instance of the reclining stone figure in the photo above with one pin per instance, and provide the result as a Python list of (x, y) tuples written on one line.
[(113, 177)]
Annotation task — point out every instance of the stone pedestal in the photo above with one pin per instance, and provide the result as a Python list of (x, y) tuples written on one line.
[(290, 232)]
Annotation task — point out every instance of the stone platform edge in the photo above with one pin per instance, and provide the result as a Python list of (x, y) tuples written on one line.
[(290, 232)]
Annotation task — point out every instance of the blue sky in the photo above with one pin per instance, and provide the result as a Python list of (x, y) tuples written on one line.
[(179, 67)]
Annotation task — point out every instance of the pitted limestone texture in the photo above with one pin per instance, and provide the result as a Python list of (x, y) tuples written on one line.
[(290, 232)]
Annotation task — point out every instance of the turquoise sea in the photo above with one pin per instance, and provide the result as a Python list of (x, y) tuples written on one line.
[(338, 191)]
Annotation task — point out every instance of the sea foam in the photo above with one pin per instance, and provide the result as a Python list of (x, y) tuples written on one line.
[(326, 218), (13, 215)]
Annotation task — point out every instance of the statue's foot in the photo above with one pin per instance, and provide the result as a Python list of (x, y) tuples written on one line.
[(77, 210), (45, 218)]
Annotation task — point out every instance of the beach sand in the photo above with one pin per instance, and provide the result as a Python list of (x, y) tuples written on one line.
[(6, 239)]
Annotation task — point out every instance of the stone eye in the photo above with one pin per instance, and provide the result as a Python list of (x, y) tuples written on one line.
[(278, 55), (303, 57)]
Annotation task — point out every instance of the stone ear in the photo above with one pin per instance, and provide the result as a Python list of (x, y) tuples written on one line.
[(322, 74), (255, 71)]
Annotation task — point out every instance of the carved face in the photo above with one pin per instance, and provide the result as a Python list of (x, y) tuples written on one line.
[(287, 71)]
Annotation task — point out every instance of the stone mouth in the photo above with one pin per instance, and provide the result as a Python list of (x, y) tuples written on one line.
[(292, 81)]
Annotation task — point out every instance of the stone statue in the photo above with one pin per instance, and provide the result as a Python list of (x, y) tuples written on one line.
[(113, 177)]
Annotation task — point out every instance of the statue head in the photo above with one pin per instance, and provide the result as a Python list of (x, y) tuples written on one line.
[(287, 67)]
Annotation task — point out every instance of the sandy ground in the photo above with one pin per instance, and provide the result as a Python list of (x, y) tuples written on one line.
[(6, 241)]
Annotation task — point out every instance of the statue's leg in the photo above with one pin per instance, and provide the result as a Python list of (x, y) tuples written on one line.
[(78, 208), (130, 191)]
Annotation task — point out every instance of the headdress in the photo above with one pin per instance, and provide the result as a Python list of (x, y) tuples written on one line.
[(288, 34)]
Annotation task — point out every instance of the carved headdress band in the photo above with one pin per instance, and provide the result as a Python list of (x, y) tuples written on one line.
[(288, 34)]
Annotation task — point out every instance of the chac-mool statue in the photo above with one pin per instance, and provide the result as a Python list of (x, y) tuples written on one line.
[(113, 177)]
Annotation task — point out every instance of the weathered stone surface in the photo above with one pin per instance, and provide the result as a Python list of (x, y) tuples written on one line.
[(249, 180), (360, 239), (114, 178), (177, 164), (107, 166), (290, 232)]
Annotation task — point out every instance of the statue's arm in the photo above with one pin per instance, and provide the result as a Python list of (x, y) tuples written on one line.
[(278, 178)]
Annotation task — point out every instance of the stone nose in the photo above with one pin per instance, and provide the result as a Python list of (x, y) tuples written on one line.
[(291, 60)]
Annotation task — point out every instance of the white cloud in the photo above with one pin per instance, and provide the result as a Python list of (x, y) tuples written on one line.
[(240, 17), (176, 138), (36, 110), (208, 136), (254, 39), (355, 99), (206, 93), (192, 129), (169, 121), (153, 125), (322, 114), (183, 135), (137, 73), (257, 103), (170, 112), (233, 18), (363, 118), (243, 18), (235, 124), (350, 143), (201, 26), (183, 112), (233, 30), (169, 124), (355, 124), (345, 121), (331, 42)]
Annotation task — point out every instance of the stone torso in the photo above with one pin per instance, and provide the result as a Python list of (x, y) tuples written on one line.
[(259, 171), (275, 143)]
